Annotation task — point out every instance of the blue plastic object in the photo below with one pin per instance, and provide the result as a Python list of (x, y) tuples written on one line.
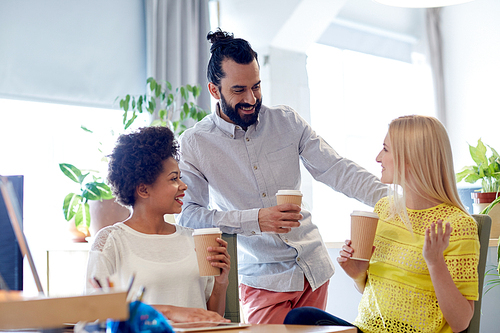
[(143, 319)]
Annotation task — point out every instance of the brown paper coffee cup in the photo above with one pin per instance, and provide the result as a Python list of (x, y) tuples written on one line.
[(203, 238), (363, 228), (289, 196)]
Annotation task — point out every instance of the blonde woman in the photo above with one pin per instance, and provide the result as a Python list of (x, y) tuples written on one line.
[(422, 276)]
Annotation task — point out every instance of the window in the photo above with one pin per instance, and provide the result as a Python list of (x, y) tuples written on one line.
[(34, 138), (354, 96)]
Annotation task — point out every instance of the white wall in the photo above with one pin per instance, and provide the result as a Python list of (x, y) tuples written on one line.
[(471, 40)]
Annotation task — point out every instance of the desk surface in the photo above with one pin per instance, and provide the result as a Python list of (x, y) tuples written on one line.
[(289, 329), (251, 329)]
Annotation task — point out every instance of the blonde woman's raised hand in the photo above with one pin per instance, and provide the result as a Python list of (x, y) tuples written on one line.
[(436, 241)]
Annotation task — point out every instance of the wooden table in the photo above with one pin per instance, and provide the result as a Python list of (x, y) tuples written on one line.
[(289, 329)]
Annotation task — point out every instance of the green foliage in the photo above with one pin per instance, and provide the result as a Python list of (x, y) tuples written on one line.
[(171, 112), (487, 169), (76, 204), (490, 206), (494, 281)]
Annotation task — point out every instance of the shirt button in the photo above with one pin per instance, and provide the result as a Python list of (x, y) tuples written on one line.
[(255, 167), (263, 195), (248, 139), (286, 240), (298, 259), (253, 232), (231, 135)]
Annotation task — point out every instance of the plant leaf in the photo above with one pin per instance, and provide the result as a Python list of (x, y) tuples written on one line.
[(131, 121), (70, 205), (104, 190), (184, 93), (71, 171), (196, 91), (82, 217), (158, 90), (495, 154), (170, 99), (126, 103), (139, 104), (175, 124), (478, 154), (472, 178), (152, 84), (490, 207), (162, 113), (91, 192), (85, 129)]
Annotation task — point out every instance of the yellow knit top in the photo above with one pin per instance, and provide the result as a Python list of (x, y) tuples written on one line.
[(399, 295)]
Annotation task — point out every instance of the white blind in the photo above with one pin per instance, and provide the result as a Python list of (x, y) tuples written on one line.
[(343, 34), (84, 52)]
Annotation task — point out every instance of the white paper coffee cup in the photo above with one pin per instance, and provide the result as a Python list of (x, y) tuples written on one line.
[(363, 229), (289, 196), (203, 238)]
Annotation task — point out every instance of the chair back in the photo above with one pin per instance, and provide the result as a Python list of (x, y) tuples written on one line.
[(232, 294), (483, 228)]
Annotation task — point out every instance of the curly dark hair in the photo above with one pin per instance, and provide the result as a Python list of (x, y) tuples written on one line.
[(224, 45), (137, 159)]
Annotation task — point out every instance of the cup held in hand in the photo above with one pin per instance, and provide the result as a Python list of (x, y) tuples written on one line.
[(289, 196), (203, 238), (363, 228)]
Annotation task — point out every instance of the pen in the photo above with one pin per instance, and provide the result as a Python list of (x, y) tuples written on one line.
[(97, 282), (140, 294), (132, 278)]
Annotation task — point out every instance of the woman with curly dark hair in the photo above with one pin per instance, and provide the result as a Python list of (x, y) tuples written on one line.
[(144, 176)]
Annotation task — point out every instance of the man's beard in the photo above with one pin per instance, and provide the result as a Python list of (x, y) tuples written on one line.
[(234, 116)]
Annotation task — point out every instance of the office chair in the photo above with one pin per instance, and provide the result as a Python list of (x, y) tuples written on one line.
[(483, 228)]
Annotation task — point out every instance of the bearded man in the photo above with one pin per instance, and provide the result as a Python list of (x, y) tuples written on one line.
[(234, 162)]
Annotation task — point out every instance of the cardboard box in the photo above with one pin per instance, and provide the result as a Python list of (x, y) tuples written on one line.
[(19, 313)]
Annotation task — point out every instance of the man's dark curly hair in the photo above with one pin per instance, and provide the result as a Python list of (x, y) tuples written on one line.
[(137, 159), (224, 45)]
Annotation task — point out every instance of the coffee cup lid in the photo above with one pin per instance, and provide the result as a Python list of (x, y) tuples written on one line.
[(289, 192), (363, 213), (206, 231)]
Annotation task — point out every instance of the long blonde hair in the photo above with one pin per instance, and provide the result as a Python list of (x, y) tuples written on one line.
[(421, 147)]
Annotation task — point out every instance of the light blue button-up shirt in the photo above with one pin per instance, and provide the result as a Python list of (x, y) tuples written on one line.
[(232, 173)]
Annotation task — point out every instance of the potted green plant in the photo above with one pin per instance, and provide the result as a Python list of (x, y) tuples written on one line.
[(94, 201), (486, 170), (175, 109), (76, 204)]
